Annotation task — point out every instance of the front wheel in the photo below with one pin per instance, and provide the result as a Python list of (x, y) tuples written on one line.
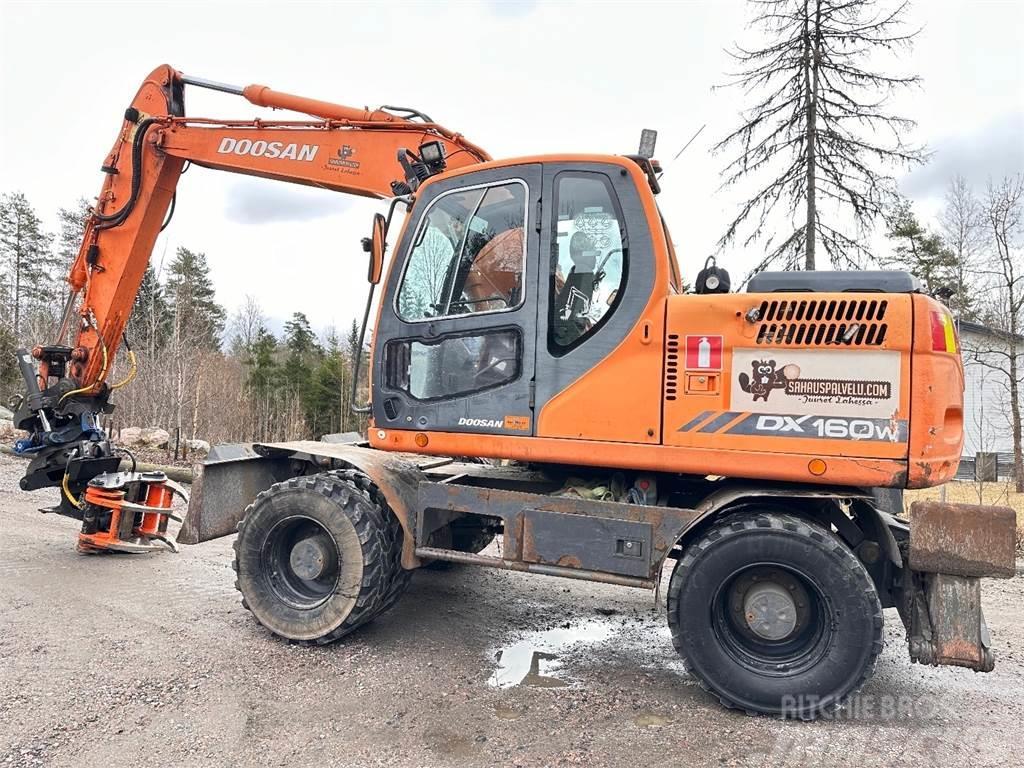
[(774, 614), (319, 556)]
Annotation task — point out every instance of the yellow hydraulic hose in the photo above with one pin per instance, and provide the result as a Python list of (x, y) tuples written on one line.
[(103, 372), (134, 369)]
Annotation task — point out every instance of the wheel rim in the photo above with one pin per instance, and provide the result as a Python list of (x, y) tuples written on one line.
[(302, 562), (769, 618)]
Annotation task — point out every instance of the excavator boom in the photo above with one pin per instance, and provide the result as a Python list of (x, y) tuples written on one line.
[(358, 152), (372, 153)]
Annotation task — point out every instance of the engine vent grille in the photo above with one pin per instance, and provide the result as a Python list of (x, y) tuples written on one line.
[(672, 366), (816, 322)]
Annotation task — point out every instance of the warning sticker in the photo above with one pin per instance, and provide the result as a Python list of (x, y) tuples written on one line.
[(704, 353)]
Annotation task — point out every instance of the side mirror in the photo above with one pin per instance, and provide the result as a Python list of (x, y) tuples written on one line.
[(375, 245)]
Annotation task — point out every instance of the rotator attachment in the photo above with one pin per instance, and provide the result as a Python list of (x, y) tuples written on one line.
[(128, 512)]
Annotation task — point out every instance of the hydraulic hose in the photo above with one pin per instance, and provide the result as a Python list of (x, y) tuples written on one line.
[(106, 221)]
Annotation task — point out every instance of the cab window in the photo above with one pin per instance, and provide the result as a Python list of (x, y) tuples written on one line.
[(468, 256), (589, 259), (454, 365)]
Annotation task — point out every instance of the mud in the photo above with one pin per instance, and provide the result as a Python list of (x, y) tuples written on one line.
[(152, 661)]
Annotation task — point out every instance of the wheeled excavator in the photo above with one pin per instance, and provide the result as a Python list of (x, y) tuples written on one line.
[(533, 312)]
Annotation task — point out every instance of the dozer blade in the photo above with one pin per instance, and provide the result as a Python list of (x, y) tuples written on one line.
[(225, 483), (952, 547)]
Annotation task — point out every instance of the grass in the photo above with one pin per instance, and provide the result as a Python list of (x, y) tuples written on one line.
[(999, 494)]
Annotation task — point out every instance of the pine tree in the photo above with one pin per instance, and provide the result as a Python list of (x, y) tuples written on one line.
[(193, 301), (299, 336), (69, 238), (303, 357), (324, 407), (150, 324), (357, 364), (28, 280), (264, 373), (352, 343), (820, 130), (921, 252)]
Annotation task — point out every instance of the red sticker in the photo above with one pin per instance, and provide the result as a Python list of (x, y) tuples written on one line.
[(704, 353)]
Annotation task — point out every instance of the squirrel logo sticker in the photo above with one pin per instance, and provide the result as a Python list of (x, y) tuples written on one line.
[(821, 382), (766, 378)]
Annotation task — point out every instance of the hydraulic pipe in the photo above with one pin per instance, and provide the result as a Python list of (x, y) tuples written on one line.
[(263, 96), (213, 85)]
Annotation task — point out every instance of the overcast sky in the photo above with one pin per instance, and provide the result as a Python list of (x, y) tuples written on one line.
[(515, 77)]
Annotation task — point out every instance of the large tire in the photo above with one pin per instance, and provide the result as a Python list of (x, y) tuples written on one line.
[(774, 614), (319, 556)]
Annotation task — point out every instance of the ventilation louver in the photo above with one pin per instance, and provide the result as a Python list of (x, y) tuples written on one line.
[(816, 322)]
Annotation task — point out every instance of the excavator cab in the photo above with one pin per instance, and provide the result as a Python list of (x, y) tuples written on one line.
[(511, 282)]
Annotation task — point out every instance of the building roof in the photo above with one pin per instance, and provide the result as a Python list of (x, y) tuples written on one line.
[(978, 329)]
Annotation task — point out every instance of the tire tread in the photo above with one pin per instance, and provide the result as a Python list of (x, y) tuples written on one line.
[(737, 525), (379, 533)]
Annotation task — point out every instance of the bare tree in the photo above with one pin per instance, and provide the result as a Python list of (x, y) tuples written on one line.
[(962, 224), (246, 323), (1002, 269), (820, 129)]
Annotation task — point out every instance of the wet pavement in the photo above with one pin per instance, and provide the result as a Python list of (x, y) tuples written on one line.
[(151, 661)]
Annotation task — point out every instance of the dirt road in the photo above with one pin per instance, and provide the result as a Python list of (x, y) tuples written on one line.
[(147, 661)]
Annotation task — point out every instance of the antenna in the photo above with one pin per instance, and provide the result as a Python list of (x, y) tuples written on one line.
[(687, 144)]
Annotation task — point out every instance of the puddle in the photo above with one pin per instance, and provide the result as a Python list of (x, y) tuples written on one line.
[(534, 660)]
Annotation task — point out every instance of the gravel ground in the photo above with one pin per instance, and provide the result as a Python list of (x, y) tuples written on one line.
[(151, 661)]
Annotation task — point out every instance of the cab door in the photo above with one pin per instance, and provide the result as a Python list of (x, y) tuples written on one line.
[(457, 336), (599, 356)]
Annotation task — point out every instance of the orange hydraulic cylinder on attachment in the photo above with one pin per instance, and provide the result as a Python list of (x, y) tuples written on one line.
[(112, 523)]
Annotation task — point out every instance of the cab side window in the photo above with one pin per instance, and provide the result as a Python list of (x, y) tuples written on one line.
[(468, 256), (589, 259)]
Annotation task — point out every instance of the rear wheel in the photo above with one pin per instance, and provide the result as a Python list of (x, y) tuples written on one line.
[(774, 614), (319, 556)]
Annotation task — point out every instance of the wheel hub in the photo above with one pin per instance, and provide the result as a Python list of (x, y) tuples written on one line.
[(310, 558), (302, 562), (770, 611)]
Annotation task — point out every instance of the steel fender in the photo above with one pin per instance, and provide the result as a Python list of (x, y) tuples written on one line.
[(732, 493), (397, 475), (233, 475)]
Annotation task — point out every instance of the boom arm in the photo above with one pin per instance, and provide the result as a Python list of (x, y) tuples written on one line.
[(373, 153), (350, 150)]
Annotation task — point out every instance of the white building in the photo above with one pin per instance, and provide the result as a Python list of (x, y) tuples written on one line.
[(987, 421)]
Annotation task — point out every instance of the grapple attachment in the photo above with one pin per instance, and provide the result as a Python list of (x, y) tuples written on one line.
[(128, 512)]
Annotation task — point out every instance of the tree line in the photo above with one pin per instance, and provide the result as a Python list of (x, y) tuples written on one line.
[(202, 372), (974, 261)]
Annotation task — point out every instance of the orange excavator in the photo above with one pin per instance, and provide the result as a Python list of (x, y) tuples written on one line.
[(533, 312)]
